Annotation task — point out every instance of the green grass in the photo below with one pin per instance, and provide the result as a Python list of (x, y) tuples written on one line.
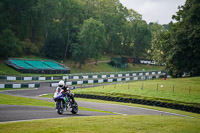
[(88, 68), (4, 89), (104, 67), (107, 124), (6, 70), (181, 93), (14, 100)]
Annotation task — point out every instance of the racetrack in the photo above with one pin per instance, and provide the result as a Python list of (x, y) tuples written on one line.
[(19, 113)]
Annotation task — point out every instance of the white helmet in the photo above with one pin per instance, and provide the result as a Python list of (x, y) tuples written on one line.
[(61, 83)]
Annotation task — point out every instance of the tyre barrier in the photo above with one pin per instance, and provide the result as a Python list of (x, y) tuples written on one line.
[(142, 101)]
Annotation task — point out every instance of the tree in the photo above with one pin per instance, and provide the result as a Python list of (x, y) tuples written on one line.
[(113, 15), (71, 18), (185, 36), (54, 43), (158, 42), (180, 44), (80, 53), (92, 37), (8, 44), (137, 38), (52, 27)]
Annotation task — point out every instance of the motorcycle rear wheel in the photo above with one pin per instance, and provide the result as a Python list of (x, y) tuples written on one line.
[(75, 108)]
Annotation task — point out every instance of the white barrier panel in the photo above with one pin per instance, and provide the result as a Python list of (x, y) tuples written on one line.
[(127, 75), (159, 72), (140, 74), (112, 76), (100, 81), (85, 77), (11, 78), (119, 75), (90, 81), (104, 76), (79, 82), (147, 73), (54, 84), (127, 79), (134, 74), (16, 85), (69, 83), (110, 80), (76, 77), (42, 78), (119, 79), (135, 78), (2, 85), (95, 76), (27, 78), (65, 77), (31, 85), (153, 73)]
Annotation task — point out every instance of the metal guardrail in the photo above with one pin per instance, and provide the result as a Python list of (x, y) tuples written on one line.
[(78, 79), (80, 76), (110, 80), (18, 85)]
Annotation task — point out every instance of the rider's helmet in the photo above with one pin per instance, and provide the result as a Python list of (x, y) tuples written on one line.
[(61, 83)]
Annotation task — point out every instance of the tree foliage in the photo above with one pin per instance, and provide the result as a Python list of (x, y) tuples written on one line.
[(179, 46), (92, 36), (63, 29), (8, 44), (185, 37)]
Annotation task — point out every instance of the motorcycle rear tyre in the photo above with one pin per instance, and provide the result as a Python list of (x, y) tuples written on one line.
[(75, 108)]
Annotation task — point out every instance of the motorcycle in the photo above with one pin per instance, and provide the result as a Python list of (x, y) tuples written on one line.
[(64, 103)]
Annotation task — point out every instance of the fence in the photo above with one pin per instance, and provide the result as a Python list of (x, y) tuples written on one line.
[(110, 80), (88, 78), (82, 76), (17, 85)]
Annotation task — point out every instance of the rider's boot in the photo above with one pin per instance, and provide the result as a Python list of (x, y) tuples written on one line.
[(64, 106)]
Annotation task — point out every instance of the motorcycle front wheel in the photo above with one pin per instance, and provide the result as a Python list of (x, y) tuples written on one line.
[(59, 107)]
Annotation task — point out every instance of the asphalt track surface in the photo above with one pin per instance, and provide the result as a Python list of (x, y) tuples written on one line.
[(9, 113)]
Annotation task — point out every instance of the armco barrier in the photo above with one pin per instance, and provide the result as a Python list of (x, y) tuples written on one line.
[(142, 101), (109, 80), (18, 85), (84, 76)]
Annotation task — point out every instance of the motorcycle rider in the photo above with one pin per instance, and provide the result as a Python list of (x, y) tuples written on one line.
[(66, 90)]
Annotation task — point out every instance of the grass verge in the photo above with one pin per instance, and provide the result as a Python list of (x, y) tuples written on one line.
[(184, 91), (5, 89), (100, 124), (88, 68), (15, 100)]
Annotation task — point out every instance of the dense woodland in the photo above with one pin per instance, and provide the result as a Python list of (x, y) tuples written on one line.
[(84, 29)]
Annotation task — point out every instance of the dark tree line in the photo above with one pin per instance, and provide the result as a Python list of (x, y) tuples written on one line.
[(62, 29), (84, 29)]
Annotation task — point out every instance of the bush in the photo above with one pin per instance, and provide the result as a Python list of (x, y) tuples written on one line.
[(115, 63)]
